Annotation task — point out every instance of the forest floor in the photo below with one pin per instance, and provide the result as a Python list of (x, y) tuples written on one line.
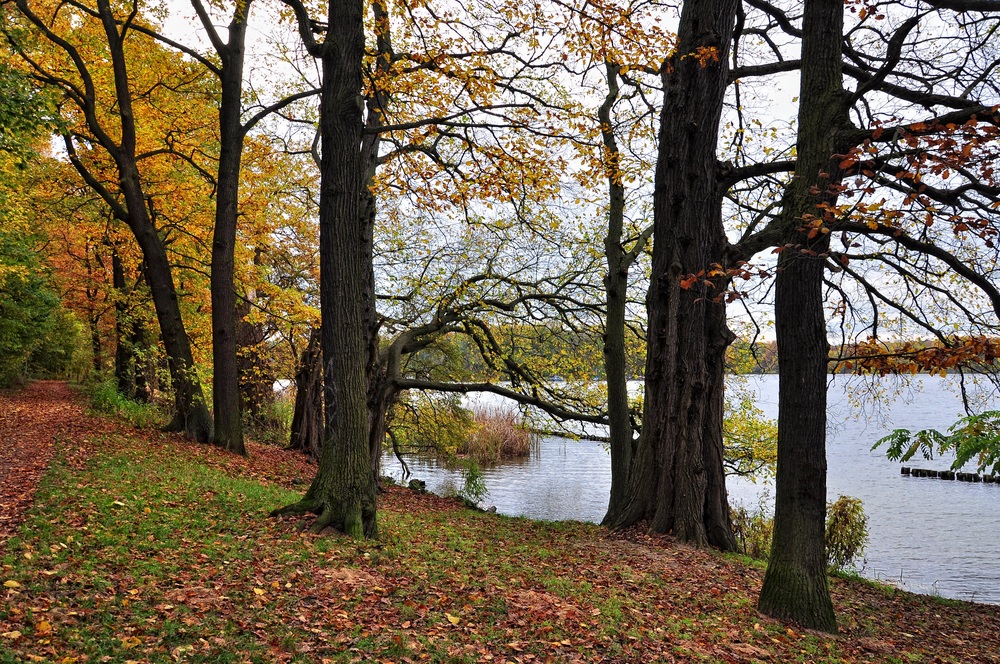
[(126, 546)]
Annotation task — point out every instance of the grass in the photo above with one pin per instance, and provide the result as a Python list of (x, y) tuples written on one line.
[(160, 551)]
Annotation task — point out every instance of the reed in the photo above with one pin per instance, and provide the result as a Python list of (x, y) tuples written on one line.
[(498, 434)]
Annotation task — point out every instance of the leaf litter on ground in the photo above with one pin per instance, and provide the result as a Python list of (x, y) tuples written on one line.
[(139, 546)]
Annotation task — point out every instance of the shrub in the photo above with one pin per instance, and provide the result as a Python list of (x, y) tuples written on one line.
[(846, 531), (62, 352), (753, 531), (105, 398), (473, 483)]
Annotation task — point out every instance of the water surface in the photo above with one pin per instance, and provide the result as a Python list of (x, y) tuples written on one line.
[(926, 535)]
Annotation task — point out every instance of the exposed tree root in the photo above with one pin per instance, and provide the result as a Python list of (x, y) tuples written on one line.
[(303, 506), (322, 521), (325, 518)]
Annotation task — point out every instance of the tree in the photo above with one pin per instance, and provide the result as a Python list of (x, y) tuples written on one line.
[(343, 491), (232, 134), (834, 161), (677, 481), (27, 301), (69, 72), (795, 586)]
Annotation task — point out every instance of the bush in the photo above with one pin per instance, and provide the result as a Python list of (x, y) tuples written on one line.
[(753, 531), (846, 532), (63, 351), (105, 398), (473, 483), (274, 424)]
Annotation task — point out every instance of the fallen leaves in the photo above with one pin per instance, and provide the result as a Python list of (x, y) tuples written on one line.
[(442, 583)]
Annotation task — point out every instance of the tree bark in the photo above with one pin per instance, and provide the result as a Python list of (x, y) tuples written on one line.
[(307, 419), (225, 392), (677, 481), (190, 410), (343, 492), (796, 585)]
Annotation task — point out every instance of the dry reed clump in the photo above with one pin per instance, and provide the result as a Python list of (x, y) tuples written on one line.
[(497, 435)]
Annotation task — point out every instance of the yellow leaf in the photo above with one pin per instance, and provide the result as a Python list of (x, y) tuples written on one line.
[(11, 635), (131, 642), (454, 620), (43, 627), (11, 583), (259, 591)]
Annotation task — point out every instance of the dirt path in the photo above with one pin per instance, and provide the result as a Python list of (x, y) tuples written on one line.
[(31, 420)]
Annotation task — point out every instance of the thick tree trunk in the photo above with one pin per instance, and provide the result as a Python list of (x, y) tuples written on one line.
[(343, 492), (307, 419), (677, 480), (225, 392), (796, 586)]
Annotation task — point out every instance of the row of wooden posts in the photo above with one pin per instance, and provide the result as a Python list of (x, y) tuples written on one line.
[(950, 475)]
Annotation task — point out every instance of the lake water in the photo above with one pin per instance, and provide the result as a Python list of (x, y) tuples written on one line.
[(926, 535)]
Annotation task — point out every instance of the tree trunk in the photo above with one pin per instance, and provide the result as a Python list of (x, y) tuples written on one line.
[(307, 419), (677, 480), (191, 412), (93, 317), (796, 586), (343, 492), (225, 392), (256, 375), (125, 364), (616, 289)]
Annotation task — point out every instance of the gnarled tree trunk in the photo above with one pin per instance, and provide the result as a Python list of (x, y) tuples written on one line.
[(677, 481)]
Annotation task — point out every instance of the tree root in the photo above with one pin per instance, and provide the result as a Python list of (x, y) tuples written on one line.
[(304, 506), (307, 506), (322, 521)]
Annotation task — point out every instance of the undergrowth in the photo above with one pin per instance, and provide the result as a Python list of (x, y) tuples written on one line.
[(107, 400)]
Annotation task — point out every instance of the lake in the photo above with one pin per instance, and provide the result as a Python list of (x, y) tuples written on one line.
[(926, 535)]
